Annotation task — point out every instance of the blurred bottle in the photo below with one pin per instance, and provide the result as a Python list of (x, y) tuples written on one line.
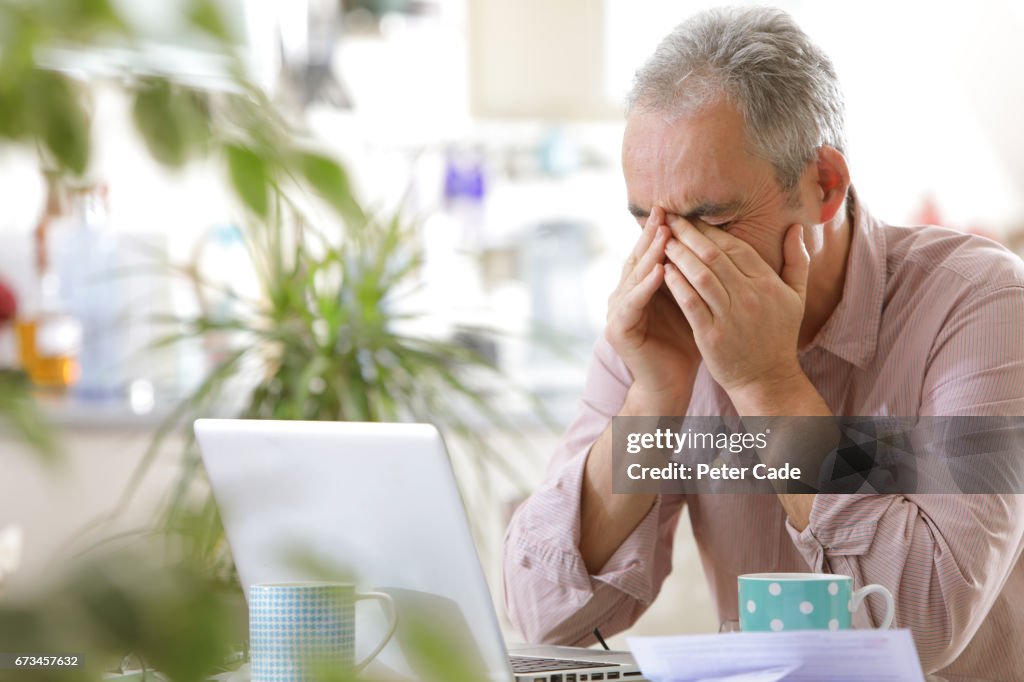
[(49, 338), (85, 254), (8, 314), (8, 304), (465, 190)]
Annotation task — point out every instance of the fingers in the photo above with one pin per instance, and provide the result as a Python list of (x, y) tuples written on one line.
[(798, 262), (640, 295), (742, 254), (642, 273), (632, 303), (647, 236), (655, 254), (689, 301), (700, 276), (728, 257)]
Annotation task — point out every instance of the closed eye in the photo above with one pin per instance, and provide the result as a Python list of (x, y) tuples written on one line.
[(715, 222)]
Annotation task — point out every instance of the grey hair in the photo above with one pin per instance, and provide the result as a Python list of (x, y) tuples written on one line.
[(784, 86)]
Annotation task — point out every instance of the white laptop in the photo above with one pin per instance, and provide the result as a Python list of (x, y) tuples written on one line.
[(380, 501)]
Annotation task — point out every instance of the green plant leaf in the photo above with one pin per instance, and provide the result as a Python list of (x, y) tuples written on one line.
[(172, 120), (18, 411), (250, 177), (60, 120), (205, 15), (435, 652), (88, 15), (18, 38), (331, 182)]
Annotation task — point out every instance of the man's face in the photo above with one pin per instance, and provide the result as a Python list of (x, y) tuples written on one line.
[(699, 167)]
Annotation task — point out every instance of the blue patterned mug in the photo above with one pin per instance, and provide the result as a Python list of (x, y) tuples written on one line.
[(772, 602), (298, 629)]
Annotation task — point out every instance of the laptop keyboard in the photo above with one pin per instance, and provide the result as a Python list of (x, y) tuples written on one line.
[(530, 664)]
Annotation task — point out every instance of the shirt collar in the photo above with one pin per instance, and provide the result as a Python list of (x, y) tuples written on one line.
[(851, 332)]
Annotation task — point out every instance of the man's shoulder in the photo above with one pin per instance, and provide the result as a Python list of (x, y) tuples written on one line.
[(937, 258)]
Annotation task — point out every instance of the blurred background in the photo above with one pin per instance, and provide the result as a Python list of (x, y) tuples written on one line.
[(493, 127)]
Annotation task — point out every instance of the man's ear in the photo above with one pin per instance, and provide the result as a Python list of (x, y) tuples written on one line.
[(833, 181)]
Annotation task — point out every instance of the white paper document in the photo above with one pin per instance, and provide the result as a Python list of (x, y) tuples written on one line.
[(799, 656)]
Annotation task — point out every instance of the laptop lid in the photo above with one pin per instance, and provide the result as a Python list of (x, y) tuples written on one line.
[(377, 499)]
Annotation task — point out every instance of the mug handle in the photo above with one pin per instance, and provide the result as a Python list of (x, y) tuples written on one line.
[(383, 598), (890, 604)]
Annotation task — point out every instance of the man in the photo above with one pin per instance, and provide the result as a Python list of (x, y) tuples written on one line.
[(760, 285)]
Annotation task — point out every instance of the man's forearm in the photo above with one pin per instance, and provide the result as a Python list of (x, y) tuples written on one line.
[(607, 519), (792, 396)]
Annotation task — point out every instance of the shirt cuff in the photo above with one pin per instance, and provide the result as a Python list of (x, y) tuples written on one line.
[(548, 542), (839, 525), (631, 568)]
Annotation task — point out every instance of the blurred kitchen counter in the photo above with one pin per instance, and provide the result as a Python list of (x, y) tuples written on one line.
[(68, 505)]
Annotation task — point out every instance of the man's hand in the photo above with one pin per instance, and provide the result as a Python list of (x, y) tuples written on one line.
[(651, 335), (745, 317), (746, 322), (646, 327)]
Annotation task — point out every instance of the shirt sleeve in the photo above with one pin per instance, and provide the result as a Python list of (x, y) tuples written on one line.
[(549, 594), (945, 558)]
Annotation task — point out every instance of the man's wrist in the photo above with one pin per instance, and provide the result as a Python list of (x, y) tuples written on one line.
[(642, 403), (798, 509), (784, 393)]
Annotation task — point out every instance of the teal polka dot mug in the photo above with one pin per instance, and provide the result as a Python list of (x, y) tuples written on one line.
[(775, 602)]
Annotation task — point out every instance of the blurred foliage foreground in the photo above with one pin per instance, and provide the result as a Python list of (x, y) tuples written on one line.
[(123, 610), (321, 339), (128, 612), (150, 609)]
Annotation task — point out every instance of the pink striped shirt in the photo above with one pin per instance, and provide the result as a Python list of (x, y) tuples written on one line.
[(931, 322)]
